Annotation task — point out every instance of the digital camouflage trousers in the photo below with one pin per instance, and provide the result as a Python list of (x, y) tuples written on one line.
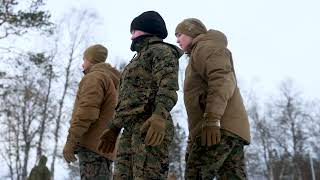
[(93, 166), (224, 161), (135, 160)]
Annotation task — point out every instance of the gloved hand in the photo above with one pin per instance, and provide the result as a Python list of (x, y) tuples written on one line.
[(68, 150), (155, 127), (210, 134), (108, 140)]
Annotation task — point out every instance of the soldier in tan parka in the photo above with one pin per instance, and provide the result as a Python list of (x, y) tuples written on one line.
[(217, 119), (93, 109)]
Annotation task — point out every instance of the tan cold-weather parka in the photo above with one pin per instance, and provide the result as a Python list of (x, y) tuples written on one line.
[(94, 105), (210, 87)]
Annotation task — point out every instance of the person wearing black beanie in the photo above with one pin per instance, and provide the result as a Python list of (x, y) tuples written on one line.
[(147, 24), (150, 22), (147, 94)]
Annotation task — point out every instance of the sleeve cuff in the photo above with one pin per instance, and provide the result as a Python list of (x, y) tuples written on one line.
[(114, 126), (161, 111), (211, 116)]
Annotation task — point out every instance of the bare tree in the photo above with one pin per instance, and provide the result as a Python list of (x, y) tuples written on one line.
[(281, 136), (292, 118), (23, 102), (262, 140), (46, 65)]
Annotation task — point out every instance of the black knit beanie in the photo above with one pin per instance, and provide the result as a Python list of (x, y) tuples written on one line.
[(150, 22)]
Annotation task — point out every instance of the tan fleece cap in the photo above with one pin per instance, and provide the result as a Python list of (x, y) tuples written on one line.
[(96, 54), (191, 27)]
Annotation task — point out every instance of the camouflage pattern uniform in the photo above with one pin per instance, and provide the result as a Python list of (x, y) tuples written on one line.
[(148, 86), (226, 159), (92, 165), (41, 171)]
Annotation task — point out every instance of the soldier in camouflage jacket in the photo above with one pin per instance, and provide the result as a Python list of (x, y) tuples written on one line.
[(147, 93)]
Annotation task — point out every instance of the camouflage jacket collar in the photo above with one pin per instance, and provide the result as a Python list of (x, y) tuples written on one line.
[(142, 42)]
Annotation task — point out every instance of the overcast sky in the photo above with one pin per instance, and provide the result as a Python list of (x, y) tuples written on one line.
[(271, 40)]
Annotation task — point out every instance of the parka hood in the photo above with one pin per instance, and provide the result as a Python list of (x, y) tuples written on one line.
[(217, 38), (107, 68)]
